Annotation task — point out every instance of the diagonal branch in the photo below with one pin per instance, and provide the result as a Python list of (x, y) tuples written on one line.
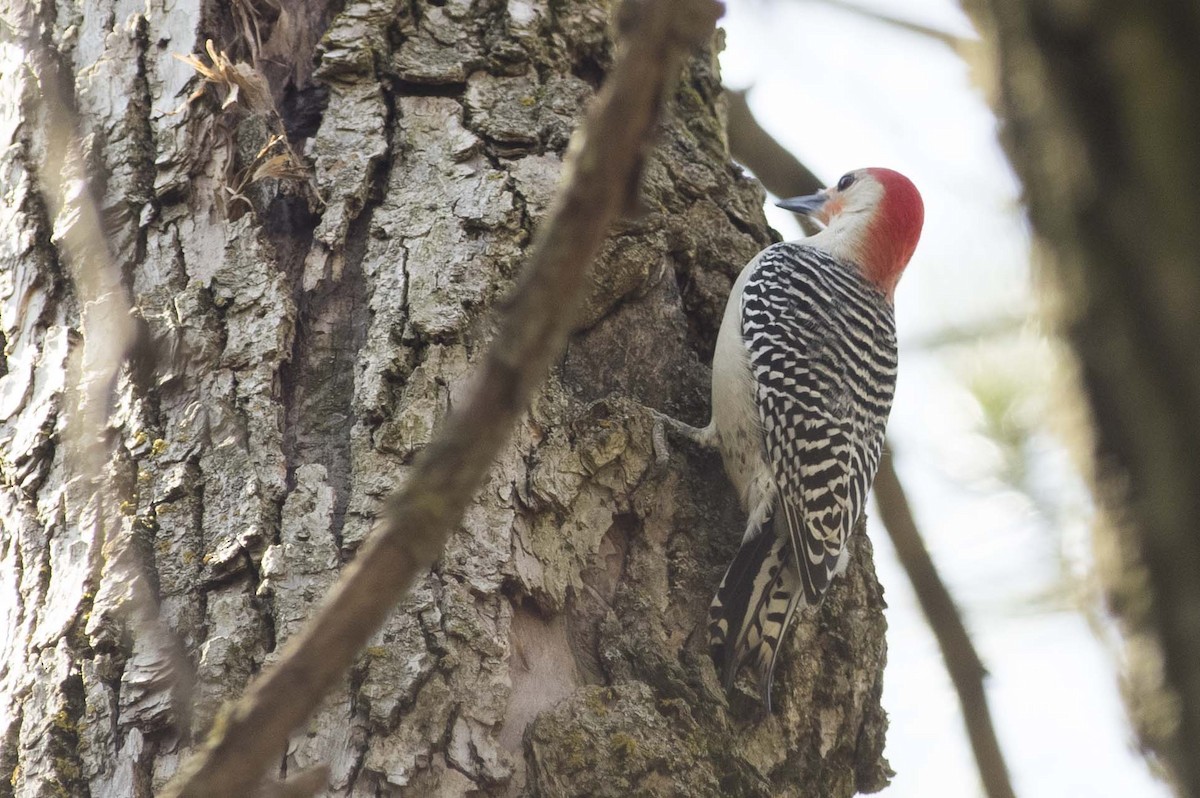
[(600, 174), (962, 662), (778, 170), (938, 35)]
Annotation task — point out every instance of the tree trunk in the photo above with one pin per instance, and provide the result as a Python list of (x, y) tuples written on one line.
[(312, 264), (1099, 102)]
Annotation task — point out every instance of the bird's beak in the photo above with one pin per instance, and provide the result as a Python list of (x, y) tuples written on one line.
[(808, 206)]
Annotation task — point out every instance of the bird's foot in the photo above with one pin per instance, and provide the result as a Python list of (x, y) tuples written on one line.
[(662, 452)]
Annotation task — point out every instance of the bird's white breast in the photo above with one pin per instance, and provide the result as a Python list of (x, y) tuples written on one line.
[(735, 418)]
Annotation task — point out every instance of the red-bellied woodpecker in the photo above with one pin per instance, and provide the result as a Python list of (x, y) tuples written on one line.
[(802, 383)]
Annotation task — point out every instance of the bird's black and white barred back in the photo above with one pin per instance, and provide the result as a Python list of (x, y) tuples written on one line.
[(822, 352), (822, 344)]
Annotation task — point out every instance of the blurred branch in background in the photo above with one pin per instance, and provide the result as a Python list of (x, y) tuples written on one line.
[(105, 320), (110, 348), (962, 662), (777, 169), (781, 173), (1100, 112), (784, 175), (949, 39), (989, 328)]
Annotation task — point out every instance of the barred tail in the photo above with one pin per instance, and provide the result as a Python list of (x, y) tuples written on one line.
[(753, 607)]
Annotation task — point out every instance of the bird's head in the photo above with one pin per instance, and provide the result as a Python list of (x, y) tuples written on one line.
[(872, 217)]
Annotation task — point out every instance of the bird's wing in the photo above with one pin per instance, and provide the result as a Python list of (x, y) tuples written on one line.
[(822, 352), (824, 381)]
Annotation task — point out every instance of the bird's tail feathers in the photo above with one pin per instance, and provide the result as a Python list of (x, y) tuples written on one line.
[(775, 618), (753, 607)]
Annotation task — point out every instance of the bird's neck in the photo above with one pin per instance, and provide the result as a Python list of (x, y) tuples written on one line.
[(856, 238)]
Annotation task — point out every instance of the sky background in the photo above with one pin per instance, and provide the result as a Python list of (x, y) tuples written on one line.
[(974, 427)]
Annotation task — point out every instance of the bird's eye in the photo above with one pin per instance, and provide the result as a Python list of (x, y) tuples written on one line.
[(845, 182)]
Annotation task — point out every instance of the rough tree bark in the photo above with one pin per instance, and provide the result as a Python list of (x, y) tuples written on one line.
[(312, 266), (1099, 103)]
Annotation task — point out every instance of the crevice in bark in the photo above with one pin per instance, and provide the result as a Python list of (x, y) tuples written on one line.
[(444, 745), (45, 571), (13, 543), (265, 609), (331, 328), (32, 473), (587, 607), (143, 365), (744, 227), (701, 335), (53, 275), (360, 749), (302, 109), (66, 764), (591, 68), (10, 754), (399, 87), (237, 570), (139, 134)]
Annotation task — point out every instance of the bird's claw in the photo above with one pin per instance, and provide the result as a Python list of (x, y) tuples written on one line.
[(658, 438), (662, 451)]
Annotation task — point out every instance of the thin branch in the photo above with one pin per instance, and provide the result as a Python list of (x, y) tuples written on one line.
[(1000, 325), (938, 35), (776, 168), (963, 663), (600, 174)]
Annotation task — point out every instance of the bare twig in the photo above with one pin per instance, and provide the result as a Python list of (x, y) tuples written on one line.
[(776, 168), (949, 39), (599, 175), (962, 662)]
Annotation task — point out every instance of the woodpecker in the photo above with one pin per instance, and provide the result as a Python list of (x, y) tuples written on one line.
[(802, 382)]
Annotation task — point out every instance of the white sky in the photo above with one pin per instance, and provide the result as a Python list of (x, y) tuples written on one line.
[(842, 92)]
